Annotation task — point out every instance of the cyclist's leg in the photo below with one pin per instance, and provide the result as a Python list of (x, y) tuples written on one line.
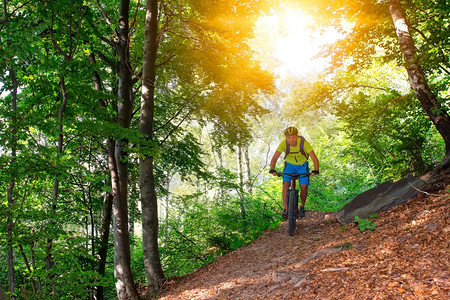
[(285, 191), (304, 182), (288, 168), (303, 194)]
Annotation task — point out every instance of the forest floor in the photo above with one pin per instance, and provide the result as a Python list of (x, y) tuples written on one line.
[(405, 257)]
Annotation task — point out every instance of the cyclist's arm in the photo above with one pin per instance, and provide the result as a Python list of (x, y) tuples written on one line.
[(275, 157), (315, 160)]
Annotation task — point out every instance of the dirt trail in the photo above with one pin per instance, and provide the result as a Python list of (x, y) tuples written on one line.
[(406, 257)]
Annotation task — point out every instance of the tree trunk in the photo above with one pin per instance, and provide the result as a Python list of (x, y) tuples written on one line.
[(11, 200), (122, 269), (241, 179), (167, 186), (220, 154), (240, 170), (107, 201), (33, 263), (62, 84), (2, 293), (428, 101), (119, 166), (104, 237), (152, 263), (248, 171)]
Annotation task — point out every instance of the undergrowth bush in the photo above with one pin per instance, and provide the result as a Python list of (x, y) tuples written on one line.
[(197, 232)]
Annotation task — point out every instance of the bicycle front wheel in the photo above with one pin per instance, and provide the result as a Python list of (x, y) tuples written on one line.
[(292, 211)]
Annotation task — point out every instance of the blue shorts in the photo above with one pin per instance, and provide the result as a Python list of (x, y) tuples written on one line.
[(290, 168)]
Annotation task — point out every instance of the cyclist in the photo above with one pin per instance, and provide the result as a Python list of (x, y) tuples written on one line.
[(296, 161)]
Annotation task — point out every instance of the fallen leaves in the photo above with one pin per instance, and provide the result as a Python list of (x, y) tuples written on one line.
[(406, 257)]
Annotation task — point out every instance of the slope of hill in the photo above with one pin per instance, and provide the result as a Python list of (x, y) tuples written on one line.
[(405, 257)]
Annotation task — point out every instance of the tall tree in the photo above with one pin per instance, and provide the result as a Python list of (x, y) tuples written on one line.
[(102, 28), (119, 165), (149, 203), (368, 37), (240, 176), (12, 149), (108, 198), (248, 170), (10, 191), (47, 46), (417, 79), (211, 53)]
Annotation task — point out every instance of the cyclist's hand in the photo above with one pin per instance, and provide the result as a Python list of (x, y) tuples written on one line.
[(314, 172), (273, 172)]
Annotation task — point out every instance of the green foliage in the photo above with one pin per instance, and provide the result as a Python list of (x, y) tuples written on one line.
[(206, 75), (199, 229), (75, 266), (367, 89), (397, 140), (369, 123), (366, 224)]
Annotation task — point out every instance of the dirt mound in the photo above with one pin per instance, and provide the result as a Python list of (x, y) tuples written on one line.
[(405, 257)]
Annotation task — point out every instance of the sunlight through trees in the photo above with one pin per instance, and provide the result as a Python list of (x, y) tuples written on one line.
[(136, 134)]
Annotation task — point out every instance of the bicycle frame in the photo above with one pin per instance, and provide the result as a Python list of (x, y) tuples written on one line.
[(294, 178), (292, 200)]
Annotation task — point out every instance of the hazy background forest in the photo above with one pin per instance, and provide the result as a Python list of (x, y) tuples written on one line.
[(122, 166)]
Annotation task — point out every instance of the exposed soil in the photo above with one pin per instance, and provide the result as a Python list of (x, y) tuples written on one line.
[(405, 257)]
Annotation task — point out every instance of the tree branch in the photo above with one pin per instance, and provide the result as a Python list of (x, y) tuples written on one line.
[(444, 69), (139, 75), (166, 61), (435, 195), (108, 61), (165, 26), (5, 10), (135, 15), (105, 16), (179, 111), (55, 43), (350, 86), (175, 128)]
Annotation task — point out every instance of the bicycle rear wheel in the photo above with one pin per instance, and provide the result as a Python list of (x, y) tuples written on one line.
[(292, 211)]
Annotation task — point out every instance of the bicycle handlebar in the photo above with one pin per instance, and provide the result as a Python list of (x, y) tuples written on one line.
[(295, 175)]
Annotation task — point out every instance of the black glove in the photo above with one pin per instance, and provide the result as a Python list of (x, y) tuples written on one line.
[(315, 172)]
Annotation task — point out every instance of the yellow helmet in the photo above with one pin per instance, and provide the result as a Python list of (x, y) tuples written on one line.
[(290, 131)]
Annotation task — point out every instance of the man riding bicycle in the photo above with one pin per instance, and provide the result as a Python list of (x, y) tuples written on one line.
[(297, 151)]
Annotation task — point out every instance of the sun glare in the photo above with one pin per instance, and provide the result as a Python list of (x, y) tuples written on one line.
[(288, 42)]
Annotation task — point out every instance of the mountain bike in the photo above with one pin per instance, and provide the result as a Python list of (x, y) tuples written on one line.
[(292, 200)]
